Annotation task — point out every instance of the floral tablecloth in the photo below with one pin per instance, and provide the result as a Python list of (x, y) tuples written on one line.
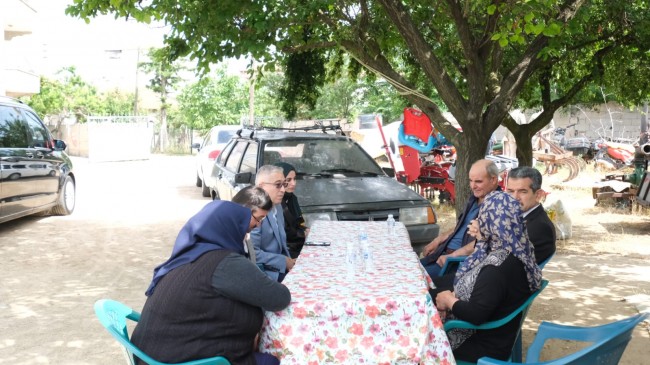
[(372, 312)]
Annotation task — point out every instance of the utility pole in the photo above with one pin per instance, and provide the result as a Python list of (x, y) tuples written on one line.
[(137, 68), (251, 95)]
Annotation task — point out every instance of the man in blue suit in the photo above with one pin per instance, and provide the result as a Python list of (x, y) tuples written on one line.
[(269, 238)]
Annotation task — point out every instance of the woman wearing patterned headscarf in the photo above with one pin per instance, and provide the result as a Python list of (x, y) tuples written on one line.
[(492, 282), (294, 224), (208, 298)]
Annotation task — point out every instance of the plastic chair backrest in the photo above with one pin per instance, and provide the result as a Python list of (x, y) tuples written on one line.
[(450, 263), (608, 342), (517, 348), (543, 263), (456, 323), (113, 315), (455, 261), (523, 309)]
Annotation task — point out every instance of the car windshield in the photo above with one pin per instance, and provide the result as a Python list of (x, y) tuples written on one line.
[(321, 156)]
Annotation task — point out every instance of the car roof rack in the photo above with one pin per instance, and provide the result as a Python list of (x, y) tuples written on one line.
[(323, 125)]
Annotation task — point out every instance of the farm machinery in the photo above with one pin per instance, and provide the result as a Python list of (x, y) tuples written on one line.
[(625, 189), (429, 159)]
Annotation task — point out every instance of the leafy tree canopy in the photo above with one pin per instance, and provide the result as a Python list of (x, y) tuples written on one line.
[(69, 95), (481, 58), (215, 100)]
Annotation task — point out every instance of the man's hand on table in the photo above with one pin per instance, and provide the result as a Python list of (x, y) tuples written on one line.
[(290, 263)]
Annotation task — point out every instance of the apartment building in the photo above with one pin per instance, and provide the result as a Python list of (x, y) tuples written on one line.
[(17, 76)]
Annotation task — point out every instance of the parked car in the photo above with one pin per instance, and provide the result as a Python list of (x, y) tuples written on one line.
[(209, 149), (35, 172), (338, 180)]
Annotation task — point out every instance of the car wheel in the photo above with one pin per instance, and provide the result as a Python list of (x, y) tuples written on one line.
[(214, 194), (199, 182), (205, 190), (67, 198)]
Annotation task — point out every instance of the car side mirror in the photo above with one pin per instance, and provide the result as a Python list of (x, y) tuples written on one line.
[(60, 145), (196, 145), (244, 178), (389, 171)]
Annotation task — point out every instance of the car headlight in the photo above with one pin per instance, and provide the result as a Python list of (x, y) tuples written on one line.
[(310, 218), (418, 215)]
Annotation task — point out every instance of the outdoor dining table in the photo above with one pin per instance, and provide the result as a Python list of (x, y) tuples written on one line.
[(343, 311)]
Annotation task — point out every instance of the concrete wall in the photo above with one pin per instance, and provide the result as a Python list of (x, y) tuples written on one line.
[(606, 120), (102, 142)]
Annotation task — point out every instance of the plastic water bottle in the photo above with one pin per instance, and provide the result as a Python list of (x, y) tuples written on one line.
[(351, 253), (363, 245), (391, 225), (366, 253)]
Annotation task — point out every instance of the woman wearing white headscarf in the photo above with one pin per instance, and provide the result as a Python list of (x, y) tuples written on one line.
[(492, 282)]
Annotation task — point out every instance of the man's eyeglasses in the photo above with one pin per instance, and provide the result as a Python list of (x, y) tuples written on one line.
[(259, 220), (278, 185)]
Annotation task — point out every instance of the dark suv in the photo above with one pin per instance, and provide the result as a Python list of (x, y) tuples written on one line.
[(338, 180), (35, 172)]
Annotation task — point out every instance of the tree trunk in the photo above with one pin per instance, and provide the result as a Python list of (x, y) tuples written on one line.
[(476, 146), (163, 129), (163, 115), (523, 136)]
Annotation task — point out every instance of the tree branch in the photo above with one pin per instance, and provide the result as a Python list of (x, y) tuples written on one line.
[(379, 64), (309, 47), (475, 72), (514, 81), (423, 52)]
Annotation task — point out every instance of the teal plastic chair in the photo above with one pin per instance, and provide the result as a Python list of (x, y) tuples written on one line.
[(523, 309), (455, 261), (450, 263), (541, 265), (608, 343), (113, 315), (518, 349)]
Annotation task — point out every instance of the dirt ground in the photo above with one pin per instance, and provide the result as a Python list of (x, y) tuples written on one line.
[(128, 215)]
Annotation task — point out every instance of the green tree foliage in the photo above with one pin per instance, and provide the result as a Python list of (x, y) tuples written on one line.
[(70, 96), (338, 99), (379, 97), (67, 96), (115, 102), (215, 100), (165, 79), (481, 58), (267, 88), (304, 74)]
